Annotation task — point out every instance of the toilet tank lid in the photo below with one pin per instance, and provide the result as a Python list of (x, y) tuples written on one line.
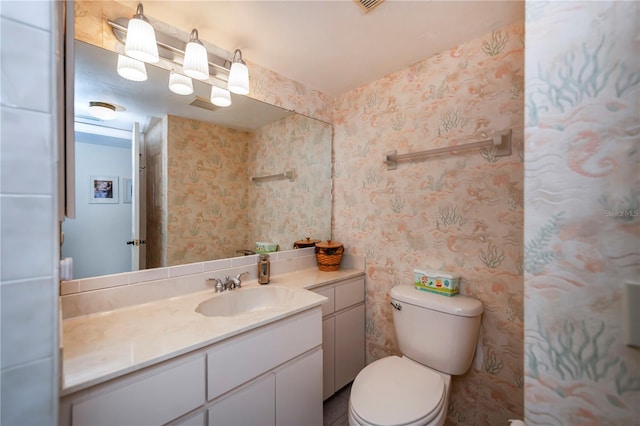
[(455, 305)]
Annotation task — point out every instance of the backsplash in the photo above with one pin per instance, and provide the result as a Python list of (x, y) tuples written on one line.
[(101, 294), (458, 213)]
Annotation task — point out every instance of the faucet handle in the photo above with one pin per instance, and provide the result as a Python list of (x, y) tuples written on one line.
[(237, 281), (219, 286)]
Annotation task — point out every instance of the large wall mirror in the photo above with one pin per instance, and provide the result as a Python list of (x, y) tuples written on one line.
[(197, 197)]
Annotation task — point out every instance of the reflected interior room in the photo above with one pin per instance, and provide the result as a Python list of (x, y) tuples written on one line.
[(319, 213)]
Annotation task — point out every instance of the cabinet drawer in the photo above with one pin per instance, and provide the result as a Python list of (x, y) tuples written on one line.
[(242, 358), (328, 306), (152, 400), (349, 293)]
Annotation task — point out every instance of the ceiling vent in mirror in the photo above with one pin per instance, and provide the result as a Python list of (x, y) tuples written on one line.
[(203, 103), (368, 5)]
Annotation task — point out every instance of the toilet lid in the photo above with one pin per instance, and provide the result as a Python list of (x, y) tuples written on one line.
[(395, 391)]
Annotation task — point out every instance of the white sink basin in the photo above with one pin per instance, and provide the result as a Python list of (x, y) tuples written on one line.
[(246, 300)]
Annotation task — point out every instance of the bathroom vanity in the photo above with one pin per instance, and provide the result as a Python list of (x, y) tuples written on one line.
[(164, 363)]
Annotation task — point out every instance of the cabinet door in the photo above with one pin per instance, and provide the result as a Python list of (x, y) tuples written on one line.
[(328, 349), (252, 406), (299, 392), (349, 345)]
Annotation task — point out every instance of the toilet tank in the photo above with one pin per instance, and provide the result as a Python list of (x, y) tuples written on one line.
[(435, 330)]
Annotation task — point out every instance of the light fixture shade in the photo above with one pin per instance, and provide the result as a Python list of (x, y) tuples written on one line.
[(220, 97), (238, 75), (180, 84), (196, 62), (131, 69), (141, 39), (102, 110)]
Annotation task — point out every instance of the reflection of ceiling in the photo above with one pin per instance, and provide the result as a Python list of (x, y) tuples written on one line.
[(96, 79), (332, 45)]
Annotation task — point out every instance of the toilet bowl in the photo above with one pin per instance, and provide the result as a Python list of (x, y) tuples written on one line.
[(396, 391), (437, 336)]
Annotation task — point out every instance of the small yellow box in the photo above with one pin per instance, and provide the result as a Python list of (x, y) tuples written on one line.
[(436, 282)]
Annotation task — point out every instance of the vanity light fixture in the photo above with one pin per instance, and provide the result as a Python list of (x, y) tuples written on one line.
[(196, 62), (180, 84), (131, 69), (238, 75), (220, 97), (141, 38), (102, 110)]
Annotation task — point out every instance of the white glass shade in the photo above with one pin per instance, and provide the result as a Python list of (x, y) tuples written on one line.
[(196, 63), (131, 69), (180, 84), (102, 110), (220, 97), (238, 79), (141, 41)]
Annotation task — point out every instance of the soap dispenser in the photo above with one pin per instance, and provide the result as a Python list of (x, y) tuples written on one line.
[(264, 269)]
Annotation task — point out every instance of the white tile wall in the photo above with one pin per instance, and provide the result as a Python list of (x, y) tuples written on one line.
[(28, 227)]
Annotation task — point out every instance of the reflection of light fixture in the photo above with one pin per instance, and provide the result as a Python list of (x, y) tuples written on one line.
[(102, 110), (238, 75), (220, 97), (196, 63), (141, 38), (131, 69), (180, 84)]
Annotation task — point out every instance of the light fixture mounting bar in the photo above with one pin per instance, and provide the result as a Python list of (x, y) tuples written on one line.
[(172, 49)]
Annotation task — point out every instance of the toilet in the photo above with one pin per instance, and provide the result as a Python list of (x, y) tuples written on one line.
[(437, 336)]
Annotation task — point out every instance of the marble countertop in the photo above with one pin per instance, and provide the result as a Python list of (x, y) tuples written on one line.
[(103, 346)]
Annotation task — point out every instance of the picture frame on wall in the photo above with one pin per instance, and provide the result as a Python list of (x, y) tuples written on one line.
[(127, 188), (103, 190)]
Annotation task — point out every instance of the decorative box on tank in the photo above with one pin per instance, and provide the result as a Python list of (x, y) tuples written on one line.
[(436, 282)]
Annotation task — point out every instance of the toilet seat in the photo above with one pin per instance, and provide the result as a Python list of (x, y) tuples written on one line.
[(396, 391)]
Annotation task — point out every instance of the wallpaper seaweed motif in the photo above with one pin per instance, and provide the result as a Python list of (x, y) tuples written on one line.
[(282, 211), (207, 188), (582, 234), (459, 213)]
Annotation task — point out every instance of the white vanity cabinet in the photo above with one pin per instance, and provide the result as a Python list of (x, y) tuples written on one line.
[(343, 333), (271, 375)]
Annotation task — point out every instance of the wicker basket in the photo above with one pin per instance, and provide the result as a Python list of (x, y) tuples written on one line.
[(329, 255)]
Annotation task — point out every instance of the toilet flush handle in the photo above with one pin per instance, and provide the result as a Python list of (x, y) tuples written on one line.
[(396, 305)]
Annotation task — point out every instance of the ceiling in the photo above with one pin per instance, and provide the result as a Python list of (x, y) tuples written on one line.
[(332, 45)]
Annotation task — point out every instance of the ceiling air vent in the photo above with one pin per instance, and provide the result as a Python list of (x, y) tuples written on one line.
[(368, 5), (203, 103)]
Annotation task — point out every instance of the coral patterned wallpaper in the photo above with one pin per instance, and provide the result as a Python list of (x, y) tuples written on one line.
[(282, 211), (207, 191), (204, 206), (582, 234), (461, 213)]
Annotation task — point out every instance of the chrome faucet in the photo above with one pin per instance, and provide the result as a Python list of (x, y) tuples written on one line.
[(229, 283), (219, 284), (237, 281)]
